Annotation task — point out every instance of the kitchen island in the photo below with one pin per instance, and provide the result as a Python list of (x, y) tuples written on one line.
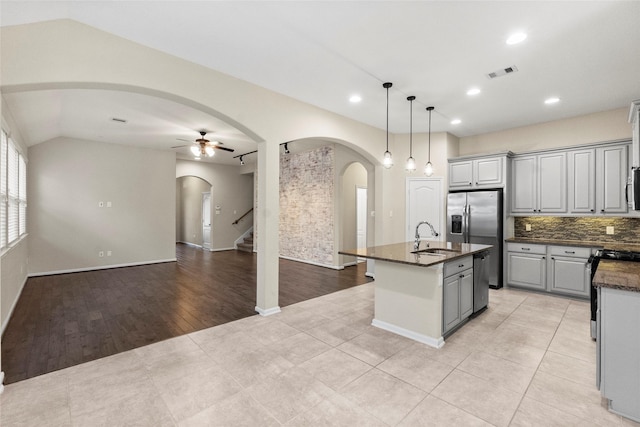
[(422, 294), (618, 335)]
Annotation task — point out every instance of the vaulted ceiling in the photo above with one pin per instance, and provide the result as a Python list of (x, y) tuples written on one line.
[(322, 52)]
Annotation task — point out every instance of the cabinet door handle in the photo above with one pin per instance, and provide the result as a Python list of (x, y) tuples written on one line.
[(569, 252), (601, 210), (551, 258), (593, 210), (626, 193), (462, 276), (544, 257)]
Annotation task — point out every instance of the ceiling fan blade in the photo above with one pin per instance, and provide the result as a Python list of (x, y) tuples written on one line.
[(218, 147), (180, 146)]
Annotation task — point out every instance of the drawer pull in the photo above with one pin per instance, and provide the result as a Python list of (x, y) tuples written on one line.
[(526, 249), (461, 265), (462, 276), (569, 252)]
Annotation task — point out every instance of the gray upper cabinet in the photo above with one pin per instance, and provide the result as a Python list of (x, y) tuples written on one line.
[(611, 179), (539, 183), (588, 180), (483, 172), (582, 181)]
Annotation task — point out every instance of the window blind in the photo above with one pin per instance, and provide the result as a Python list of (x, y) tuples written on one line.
[(3, 189), (22, 196), (13, 192)]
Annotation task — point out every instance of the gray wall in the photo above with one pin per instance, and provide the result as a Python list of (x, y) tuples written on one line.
[(189, 191), (68, 178)]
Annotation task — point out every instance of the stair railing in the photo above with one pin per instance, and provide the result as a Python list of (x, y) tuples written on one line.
[(240, 219)]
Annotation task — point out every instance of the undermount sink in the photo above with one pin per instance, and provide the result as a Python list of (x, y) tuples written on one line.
[(436, 251)]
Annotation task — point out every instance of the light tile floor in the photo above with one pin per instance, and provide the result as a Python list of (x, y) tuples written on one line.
[(526, 361)]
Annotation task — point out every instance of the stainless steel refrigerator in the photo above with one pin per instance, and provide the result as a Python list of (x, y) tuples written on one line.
[(476, 217)]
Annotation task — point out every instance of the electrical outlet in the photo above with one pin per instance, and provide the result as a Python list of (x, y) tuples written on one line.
[(101, 204), (101, 254), (609, 229), (527, 227)]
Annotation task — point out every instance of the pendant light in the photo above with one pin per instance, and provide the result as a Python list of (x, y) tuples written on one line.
[(428, 169), (387, 162), (411, 163)]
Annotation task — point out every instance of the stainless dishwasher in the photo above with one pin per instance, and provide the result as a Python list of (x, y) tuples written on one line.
[(481, 267)]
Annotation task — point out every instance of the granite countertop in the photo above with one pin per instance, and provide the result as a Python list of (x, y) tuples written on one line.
[(623, 275), (621, 246), (403, 252)]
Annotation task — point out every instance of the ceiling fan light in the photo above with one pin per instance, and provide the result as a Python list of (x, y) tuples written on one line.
[(209, 151), (195, 150)]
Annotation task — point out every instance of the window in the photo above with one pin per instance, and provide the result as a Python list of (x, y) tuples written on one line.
[(13, 192)]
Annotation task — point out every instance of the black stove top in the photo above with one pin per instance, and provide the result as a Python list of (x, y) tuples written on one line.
[(618, 255)]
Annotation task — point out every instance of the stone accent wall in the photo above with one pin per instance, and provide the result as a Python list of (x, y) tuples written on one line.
[(307, 205), (626, 230)]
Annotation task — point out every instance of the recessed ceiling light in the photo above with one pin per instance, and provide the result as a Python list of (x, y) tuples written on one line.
[(516, 38), (552, 100), (456, 121), (473, 91), (355, 98)]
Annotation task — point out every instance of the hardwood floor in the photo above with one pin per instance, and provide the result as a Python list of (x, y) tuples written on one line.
[(68, 319)]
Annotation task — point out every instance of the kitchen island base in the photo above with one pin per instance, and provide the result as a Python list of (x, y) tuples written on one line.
[(408, 301)]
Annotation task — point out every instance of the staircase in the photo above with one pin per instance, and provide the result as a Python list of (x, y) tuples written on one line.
[(247, 244)]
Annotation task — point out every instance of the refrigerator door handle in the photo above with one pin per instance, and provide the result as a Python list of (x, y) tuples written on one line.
[(465, 233)]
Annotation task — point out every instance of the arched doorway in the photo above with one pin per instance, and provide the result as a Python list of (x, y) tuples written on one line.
[(193, 211)]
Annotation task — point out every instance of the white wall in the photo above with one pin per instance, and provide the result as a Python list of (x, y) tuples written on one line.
[(68, 178), (597, 127), (232, 190)]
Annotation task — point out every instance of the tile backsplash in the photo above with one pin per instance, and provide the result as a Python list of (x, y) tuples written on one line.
[(626, 230)]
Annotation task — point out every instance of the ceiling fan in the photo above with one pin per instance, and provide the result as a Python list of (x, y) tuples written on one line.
[(204, 147)]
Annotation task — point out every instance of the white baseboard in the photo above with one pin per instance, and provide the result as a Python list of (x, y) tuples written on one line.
[(222, 249), (268, 311), (13, 307), (371, 275), (425, 339), (333, 267), (100, 267)]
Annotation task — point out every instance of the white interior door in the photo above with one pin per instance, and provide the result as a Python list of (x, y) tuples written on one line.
[(425, 203), (361, 218), (206, 220)]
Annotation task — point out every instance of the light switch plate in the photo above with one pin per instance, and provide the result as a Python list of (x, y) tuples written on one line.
[(527, 227), (609, 229)]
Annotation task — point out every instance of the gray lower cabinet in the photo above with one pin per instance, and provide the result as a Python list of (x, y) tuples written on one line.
[(457, 293), (619, 350), (527, 265), (557, 269), (569, 270)]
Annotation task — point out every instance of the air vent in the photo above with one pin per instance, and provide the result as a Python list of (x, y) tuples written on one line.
[(115, 119), (503, 72)]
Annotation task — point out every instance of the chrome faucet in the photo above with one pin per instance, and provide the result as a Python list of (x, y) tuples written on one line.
[(416, 245)]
